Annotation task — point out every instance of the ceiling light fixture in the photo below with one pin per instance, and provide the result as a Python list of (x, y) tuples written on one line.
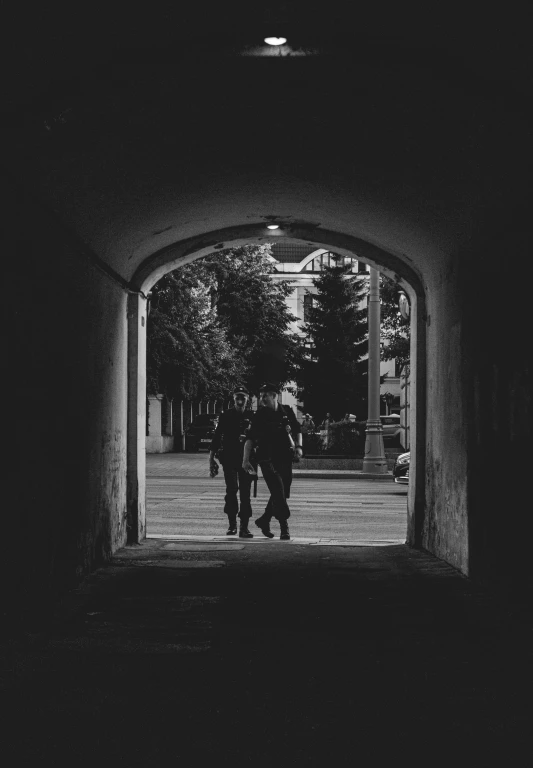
[(275, 40), (272, 226)]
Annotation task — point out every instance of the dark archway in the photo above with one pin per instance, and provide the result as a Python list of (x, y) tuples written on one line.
[(414, 139)]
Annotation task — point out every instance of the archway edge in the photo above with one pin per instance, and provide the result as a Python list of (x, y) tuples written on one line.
[(188, 250), (184, 251)]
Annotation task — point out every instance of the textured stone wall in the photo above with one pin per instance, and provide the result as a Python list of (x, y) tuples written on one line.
[(66, 356), (497, 329), (446, 519)]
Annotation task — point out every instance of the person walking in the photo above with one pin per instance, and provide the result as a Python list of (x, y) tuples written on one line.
[(276, 435), (228, 444), (325, 430), (308, 427)]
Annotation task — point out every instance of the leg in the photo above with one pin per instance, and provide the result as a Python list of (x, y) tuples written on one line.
[(276, 486), (268, 514), (231, 504), (263, 522), (285, 471), (245, 487), (245, 513)]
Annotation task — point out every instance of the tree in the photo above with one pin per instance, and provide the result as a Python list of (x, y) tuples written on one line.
[(220, 321), (252, 309), (395, 330), (333, 375), (188, 353)]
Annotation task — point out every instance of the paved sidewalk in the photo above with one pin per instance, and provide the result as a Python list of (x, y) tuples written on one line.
[(230, 654)]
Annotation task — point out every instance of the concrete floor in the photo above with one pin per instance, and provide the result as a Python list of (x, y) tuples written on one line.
[(233, 653)]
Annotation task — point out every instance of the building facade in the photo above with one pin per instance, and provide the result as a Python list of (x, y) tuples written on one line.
[(299, 264)]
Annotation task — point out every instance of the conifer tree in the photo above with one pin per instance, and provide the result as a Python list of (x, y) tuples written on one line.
[(395, 330), (333, 376)]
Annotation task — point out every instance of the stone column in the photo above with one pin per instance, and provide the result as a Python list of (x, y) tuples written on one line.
[(136, 474), (182, 426), (405, 402), (374, 460)]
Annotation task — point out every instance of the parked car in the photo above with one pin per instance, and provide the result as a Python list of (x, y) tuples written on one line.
[(199, 433), (391, 428), (400, 470)]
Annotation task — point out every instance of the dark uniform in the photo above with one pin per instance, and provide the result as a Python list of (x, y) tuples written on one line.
[(274, 454), (228, 444)]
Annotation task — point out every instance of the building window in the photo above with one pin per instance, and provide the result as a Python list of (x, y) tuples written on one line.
[(308, 346), (308, 304), (331, 259)]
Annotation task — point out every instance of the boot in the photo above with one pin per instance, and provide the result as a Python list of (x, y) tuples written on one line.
[(232, 530), (284, 528), (244, 533), (265, 527)]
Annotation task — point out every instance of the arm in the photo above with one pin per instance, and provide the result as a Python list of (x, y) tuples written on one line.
[(246, 465), (217, 439), (296, 431), (249, 445)]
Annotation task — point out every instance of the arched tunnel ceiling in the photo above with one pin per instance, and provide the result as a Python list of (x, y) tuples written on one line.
[(143, 129)]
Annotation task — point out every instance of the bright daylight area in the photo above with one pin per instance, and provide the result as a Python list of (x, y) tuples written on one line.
[(313, 307)]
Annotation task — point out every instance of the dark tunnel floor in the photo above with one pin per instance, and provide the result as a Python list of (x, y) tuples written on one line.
[(269, 654)]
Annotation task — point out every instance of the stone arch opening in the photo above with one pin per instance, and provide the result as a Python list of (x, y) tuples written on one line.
[(185, 251)]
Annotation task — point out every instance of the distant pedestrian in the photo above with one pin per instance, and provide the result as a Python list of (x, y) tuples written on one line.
[(325, 430), (307, 425), (275, 433), (308, 428), (349, 417), (228, 444)]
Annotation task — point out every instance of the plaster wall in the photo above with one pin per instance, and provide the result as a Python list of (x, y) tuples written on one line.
[(446, 519), (155, 423), (497, 336), (66, 360), (159, 444)]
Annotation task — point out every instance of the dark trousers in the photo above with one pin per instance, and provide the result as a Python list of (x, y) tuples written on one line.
[(278, 477), (237, 481)]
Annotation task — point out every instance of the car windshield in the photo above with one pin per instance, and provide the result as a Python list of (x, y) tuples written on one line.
[(204, 420)]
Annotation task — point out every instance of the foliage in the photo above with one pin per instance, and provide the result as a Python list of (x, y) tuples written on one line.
[(395, 331), (188, 353), (217, 322), (346, 439), (252, 309), (333, 374)]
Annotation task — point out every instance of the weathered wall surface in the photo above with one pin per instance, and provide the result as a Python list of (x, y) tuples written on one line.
[(497, 329), (160, 444), (445, 530), (64, 368)]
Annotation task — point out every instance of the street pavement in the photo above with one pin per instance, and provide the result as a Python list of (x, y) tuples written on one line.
[(184, 502)]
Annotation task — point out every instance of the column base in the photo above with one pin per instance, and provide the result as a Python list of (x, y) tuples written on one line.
[(375, 460)]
